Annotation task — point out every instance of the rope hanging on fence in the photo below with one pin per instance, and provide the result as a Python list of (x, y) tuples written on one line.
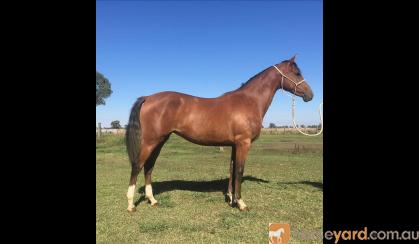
[(293, 103)]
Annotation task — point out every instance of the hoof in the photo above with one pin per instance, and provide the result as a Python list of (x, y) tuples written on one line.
[(231, 204), (131, 210), (245, 209), (229, 200), (155, 205), (241, 205)]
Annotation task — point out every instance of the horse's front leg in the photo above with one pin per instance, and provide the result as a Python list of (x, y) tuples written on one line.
[(229, 195), (242, 148)]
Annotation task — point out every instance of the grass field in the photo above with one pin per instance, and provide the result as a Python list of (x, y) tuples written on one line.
[(283, 183)]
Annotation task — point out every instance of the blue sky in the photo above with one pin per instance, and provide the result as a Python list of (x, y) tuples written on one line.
[(206, 48)]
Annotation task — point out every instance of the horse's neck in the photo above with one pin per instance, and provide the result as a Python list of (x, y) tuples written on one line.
[(262, 90)]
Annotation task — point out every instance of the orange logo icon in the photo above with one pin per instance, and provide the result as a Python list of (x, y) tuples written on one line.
[(279, 233)]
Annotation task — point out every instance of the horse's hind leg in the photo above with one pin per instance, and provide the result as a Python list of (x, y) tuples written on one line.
[(145, 152), (148, 169)]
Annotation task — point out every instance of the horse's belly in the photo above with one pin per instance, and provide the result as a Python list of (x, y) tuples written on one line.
[(207, 136), (205, 141)]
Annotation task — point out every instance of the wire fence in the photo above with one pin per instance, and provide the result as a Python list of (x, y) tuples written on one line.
[(264, 131)]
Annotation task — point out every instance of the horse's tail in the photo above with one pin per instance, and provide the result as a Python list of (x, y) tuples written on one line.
[(133, 132)]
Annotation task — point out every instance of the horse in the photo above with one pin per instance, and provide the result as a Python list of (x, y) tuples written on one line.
[(233, 119), (276, 235)]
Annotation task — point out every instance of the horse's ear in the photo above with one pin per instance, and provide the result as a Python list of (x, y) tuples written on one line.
[(292, 60)]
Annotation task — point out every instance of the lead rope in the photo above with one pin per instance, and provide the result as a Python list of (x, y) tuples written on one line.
[(295, 125), (293, 104)]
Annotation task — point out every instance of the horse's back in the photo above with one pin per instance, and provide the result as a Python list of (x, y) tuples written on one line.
[(207, 121)]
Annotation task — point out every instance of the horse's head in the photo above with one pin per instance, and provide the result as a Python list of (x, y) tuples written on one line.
[(293, 81)]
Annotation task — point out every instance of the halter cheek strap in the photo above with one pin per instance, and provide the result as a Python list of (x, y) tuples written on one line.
[(282, 80), (293, 103)]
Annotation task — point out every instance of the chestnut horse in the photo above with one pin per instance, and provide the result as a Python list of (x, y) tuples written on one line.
[(232, 119)]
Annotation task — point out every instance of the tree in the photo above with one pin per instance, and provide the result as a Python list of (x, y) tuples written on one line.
[(115, 124), (103, 89), (272, 125)]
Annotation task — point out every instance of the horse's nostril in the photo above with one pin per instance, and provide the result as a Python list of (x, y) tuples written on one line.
[(307, 97)]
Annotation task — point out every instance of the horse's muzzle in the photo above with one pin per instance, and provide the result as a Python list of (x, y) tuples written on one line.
[(307, 97)]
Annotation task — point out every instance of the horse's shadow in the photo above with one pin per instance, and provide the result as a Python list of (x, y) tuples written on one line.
[(318, 185), (219, 185)]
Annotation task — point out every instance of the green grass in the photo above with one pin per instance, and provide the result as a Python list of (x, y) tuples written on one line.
[(283, 183)]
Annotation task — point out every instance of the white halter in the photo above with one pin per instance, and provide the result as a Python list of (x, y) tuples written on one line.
[(282, 80), (293, 103)]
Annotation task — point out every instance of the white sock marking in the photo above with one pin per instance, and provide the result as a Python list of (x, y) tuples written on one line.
[(241, 204), (230, 197), (130, 196), (149, 194)]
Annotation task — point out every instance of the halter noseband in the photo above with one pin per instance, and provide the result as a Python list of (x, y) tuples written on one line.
[(282, 80), (293, 103)]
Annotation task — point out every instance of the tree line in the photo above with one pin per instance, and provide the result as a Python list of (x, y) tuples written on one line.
[(103, 91), (273, 126), (116, 124)]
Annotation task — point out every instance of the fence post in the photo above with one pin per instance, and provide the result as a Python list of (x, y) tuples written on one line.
[(221, 149), (99, 130)]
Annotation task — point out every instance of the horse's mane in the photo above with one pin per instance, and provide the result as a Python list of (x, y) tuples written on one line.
[(243, 85), (247, 82)]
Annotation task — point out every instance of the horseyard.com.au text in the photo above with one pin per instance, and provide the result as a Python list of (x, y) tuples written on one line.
[(364, 234)]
